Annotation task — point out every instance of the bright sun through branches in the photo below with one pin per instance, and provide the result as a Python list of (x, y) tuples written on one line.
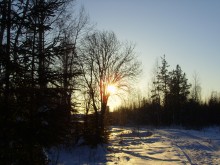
[(111, 89)]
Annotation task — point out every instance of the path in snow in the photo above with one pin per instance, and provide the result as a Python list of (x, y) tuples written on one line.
[(163, 146), (197, 146), (148, 146)]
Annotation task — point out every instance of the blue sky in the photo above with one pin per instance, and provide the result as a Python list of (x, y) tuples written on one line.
[(186, 31)]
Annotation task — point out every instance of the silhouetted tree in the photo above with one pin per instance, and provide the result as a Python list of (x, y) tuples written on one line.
[(178, 92), (106, 61), (196, 89), (214, 106), (161, 82), (181, 107), (155, 90), (31, 105), (71, 30)]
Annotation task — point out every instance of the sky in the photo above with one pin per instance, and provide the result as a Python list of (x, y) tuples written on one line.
[(186, 31)]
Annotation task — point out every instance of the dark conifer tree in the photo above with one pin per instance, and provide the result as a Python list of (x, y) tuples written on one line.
[(161, 83), (32, 115), (178, 92)]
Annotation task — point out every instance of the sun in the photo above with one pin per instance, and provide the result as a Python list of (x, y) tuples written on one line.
[(111, 89)]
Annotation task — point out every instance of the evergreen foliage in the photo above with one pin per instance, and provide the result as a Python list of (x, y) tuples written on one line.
[(176, 106), (42, 64), (35, 106)]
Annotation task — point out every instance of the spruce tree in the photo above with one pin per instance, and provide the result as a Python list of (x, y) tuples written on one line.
[(161, 82), (31, 112), (178, 92)]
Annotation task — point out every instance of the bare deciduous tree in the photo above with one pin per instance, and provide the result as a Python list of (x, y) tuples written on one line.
[(106, 61), (196, 88), (71, 30)]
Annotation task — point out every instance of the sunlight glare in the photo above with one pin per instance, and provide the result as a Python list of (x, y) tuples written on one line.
[(111, 89)]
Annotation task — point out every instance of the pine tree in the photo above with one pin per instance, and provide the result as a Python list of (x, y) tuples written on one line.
[(32, 116), (161, 82), (178, 92)]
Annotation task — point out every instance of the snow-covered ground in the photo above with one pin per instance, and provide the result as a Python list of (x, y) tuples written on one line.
[(165, 146)]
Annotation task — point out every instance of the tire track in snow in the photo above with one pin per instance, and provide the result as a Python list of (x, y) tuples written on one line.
[(185, 154), (168, 136), (196, 149), (165, 146), (132, 147)]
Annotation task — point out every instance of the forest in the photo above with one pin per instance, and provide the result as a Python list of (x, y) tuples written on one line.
[(173, 101), (54, 64)]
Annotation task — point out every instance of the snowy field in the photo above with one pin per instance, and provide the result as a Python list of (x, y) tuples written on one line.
[(148, 146)]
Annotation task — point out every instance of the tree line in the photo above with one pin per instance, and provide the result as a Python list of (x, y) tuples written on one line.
[(53, 63), (173, 101)]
